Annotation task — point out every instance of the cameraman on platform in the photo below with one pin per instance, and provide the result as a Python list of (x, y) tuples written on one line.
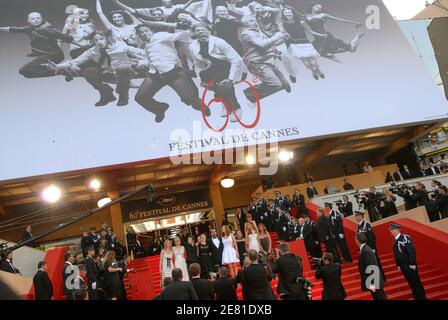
[(404, 191), (371, 201), (345, 206)]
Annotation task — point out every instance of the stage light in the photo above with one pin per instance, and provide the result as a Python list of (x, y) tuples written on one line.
[(102, 202), (227, 182), (95, 184), (51, 194), (285, 155), (250, 159)]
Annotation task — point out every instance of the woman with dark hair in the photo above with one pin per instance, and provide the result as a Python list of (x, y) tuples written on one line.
[(205, 257), (121, 23), (112, 276), (329, 45), (298, 44), (264, 239), (131, 239)]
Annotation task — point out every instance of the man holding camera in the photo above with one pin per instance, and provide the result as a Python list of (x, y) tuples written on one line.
[(403, 191), (289, 267), (337, 223), (370, 200), (330, 273), (345, 206)]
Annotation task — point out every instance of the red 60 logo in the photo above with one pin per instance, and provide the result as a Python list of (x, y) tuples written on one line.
[(226, 106)]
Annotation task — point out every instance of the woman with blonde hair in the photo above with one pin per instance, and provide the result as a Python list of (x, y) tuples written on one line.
[(249, 222), (230, 256), (252, 239), (166, 260), (179, 258), (264, 239), (113, 282)]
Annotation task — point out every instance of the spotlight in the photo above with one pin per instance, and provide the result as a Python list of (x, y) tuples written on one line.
[(95, 184), (51, 194), (227, 182), (250, 159), (102, 202), (285, 155)]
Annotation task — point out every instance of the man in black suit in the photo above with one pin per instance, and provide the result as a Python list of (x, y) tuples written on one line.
[(216, 247), (371, 276), (337, 223), (398, 176), (326, 234), (406, 261), (442, 201), (307, 233), (67, 279), (407, 173), (80, 287), (28, 235), (178, 289), (298, 201), (311, 191), (421, 196), (432, 170), (203, 287), (289, 267), (346, 206), (405, 192), (92, 239), (93, 274), (255, 280), (43, 288), (239, 213), (330, 272), (224, 288), (124, 265), (7, 264)]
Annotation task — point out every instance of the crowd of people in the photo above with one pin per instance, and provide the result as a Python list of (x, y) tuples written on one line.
[(170, 45)]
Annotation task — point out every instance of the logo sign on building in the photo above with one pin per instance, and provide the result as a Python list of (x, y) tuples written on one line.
[(184, 202), (88, 84)]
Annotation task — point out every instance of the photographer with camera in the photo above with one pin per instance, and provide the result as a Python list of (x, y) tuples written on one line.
[(403, 191), (421, 196), (388, 207), (289, 268), (330, 273), (345, 206), (442, 201), (370, 200)]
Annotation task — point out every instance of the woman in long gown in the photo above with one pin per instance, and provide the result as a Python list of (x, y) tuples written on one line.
[(205, 257), (329, 45), (229, 252), (179, 259), (112, 270), (166, 260), (264, 239), (241, 244)]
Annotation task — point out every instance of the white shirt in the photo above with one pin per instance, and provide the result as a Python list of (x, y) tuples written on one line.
[(360, 248), (216, 242), (161, 51), (398, 236)]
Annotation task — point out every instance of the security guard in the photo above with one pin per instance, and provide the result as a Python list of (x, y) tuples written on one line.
[(406, 261)]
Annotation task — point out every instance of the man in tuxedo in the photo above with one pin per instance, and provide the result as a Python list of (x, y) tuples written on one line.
[(284, 224), (298, 201), (406, 261), (93, 275), (255, 280), (43, 288), (295, 230), (311, 191), (67, 271), (346, 206), (216, 247), (28, 235), (203, 287), (178, 289), (337, 223), (326, 234), (289, 267), (407, 173), (421, 196), (405, 192), (398, 176), (7, 264), (261, 210), (330, 272), (432, 170), (367, 260), (92, 239), (224, 288), (239, 213), (124, 265), (80, 287)]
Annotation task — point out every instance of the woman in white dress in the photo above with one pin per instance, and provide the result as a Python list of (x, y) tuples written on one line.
[(179, 259), (230, 256), (249, 222), (252, 239), (166, 260)]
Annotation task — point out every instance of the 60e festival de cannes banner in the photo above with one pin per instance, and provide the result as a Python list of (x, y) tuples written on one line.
[(94, 83)]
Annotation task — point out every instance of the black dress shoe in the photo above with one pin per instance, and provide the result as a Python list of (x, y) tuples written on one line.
[(293, 79), (122, 102), (160, 115), (105, 100), (288, 88)]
